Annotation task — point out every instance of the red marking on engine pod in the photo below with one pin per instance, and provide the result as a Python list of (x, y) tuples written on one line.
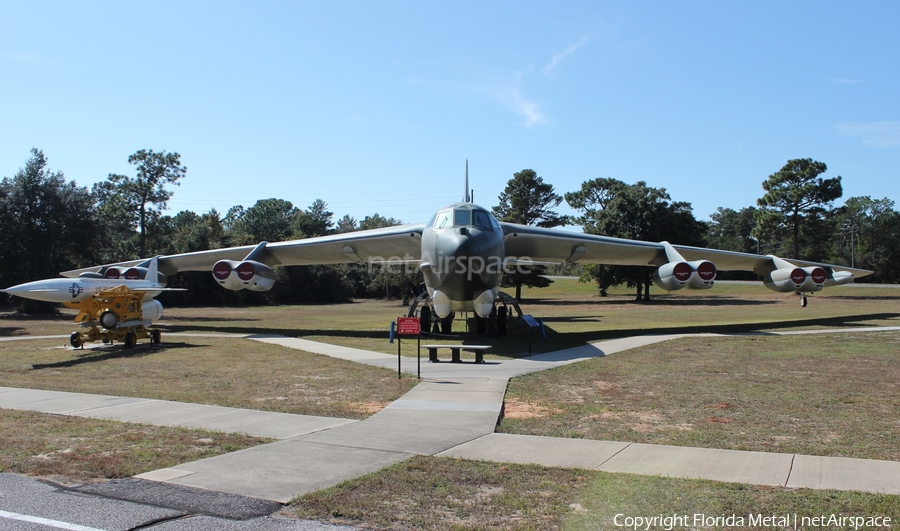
[(682, 272), (245, 271), (706, 271), (798, 276), (818, 275), (221, 271), (112, 273), (132, 274)]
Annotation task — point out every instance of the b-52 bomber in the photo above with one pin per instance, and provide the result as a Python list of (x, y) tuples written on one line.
[(463, 252)]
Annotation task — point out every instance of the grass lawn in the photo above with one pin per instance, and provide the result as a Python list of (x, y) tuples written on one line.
[(442, 493), (832, 395), (207, 370), (81, 450)]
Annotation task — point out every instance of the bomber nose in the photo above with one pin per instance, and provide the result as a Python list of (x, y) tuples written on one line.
[(460, 242)]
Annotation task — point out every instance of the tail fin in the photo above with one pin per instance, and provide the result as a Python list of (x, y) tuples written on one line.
[(153, 270), (468, 197)]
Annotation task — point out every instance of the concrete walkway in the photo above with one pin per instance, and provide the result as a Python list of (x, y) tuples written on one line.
[(452, 412)]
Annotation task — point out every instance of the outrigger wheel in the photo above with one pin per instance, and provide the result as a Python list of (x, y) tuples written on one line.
[(130, 339), (803, 301), (76, 340)]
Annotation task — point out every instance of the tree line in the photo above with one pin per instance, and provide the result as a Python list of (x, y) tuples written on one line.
[(51, 225)]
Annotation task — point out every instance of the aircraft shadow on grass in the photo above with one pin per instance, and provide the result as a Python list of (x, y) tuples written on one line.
[(12, 331), (852, 321), (662, 301), (513, 345), (191, 319), (112, 352), (263, 331), (869, 298)]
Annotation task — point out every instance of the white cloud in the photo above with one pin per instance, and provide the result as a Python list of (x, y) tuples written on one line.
[(511, 95), (557, 58), (525, 107), (881, 134), (26, 58)]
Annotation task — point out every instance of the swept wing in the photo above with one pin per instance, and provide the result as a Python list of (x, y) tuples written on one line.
[(394, 244), (554, 245)]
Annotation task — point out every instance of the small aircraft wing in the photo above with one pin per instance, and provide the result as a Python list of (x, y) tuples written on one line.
[(555, 245), (401, 243)]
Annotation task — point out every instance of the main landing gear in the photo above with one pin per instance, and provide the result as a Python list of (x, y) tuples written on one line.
[(501, 319), (112, 315)]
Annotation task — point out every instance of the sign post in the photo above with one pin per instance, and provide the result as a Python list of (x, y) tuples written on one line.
[(409, 326)]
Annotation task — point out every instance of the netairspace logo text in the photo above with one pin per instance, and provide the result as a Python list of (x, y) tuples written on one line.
[(669, 522)]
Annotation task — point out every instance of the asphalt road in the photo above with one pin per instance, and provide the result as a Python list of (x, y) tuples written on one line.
[(28, 504)]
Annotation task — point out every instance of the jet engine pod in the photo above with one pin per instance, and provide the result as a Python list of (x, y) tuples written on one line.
[(133, 273), (673, 276), (125, 273), (815, 279), (704, 274), (249, 274), (789, 279)]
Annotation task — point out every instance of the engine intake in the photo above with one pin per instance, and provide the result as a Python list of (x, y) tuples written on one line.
[(126, 273), (673, 276), (801, 279), (249, 274), (132, 273), (699, 274)]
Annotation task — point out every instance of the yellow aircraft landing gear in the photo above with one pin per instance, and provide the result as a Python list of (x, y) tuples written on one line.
[(112, 315)]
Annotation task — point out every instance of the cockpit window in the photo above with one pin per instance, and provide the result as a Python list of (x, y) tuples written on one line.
[(443, 219), (482, 219), (462, 217)]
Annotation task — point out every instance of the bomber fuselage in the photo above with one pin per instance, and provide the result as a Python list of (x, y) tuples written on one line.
[(462, 259)]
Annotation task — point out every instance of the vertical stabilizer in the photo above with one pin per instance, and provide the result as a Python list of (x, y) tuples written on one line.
[(153, 270), (468, 197)]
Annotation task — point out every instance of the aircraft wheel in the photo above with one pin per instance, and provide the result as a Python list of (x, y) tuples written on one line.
[(803, 301), (447, 324), (130, 339), (156, 336), (425, 319), (76, 340), (501, 320)]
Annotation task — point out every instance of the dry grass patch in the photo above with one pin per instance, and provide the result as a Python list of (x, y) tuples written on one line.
[(80, 450), (438, 493), (207, 370), (431, 493), (832, 395)]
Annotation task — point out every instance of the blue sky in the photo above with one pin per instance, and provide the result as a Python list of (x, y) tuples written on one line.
[(375, 106)]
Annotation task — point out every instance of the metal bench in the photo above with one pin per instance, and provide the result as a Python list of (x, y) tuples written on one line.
[(455, 352)]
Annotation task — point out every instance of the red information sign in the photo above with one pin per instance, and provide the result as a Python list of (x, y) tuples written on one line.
[(408, 326)]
